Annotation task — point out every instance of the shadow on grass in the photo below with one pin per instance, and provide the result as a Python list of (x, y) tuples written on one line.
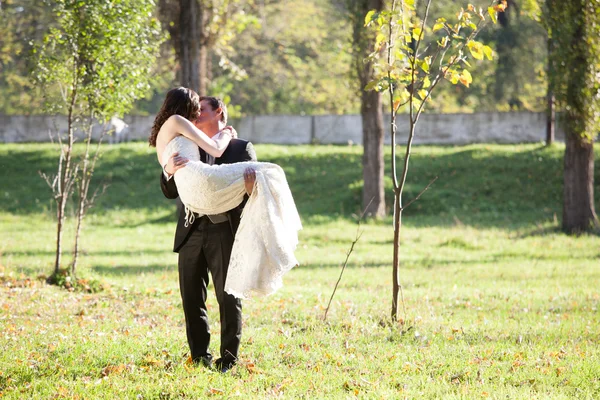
[(100, 253), (122, 270), (539, 231), (482, 185)]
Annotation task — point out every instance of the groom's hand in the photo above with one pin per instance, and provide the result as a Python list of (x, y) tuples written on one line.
[(249, 179), (174, 163)]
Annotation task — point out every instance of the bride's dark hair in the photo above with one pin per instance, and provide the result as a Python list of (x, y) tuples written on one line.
[(181, 101)]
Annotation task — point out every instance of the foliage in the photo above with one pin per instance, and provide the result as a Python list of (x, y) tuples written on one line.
[(104, 50), (504, 304), (297, 61), (575, 59), (284, 57), (408, 72), (22, 23)]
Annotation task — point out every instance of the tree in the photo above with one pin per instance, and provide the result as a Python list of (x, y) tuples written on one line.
[(22, 23), (411, 69), (99, 56), (294, 58), (574, 29), (196, 28), (371, 109)]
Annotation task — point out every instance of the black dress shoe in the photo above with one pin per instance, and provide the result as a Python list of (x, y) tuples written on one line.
[(224, 365), (205, 361)]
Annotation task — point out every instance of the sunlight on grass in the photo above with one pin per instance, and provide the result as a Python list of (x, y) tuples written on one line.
[(499, 303)]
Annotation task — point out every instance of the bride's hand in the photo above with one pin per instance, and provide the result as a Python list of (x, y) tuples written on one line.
[(174, 163), (231, 131), (249, 179)]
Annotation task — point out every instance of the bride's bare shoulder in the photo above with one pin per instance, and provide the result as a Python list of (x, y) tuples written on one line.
[(174, 119), (168, 130)]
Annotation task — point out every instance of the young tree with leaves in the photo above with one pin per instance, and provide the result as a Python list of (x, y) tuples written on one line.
[(574, 29), (99, 55), (409, 71)]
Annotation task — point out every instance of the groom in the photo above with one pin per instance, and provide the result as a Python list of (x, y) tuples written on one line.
[(205, 246)]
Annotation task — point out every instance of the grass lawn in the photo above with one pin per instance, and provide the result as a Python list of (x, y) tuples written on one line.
[(499, 303)]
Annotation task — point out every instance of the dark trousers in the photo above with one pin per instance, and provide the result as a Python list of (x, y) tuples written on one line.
[(208, 248)]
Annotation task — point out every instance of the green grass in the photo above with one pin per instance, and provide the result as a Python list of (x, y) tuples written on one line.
[(499, 303)]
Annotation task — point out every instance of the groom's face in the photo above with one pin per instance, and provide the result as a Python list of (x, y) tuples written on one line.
[(207, 115)]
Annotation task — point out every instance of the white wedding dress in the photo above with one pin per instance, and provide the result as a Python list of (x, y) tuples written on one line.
[(263, 249)]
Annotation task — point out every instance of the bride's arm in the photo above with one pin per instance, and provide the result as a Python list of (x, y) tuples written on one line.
[(178, 124)]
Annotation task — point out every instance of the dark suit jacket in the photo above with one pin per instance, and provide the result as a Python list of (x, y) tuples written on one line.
[(238, 150)]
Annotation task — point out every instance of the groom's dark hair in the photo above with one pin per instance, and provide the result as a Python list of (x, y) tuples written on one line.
[(215, 103)]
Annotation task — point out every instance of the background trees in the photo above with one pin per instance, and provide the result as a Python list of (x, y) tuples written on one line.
[(364, 43), (281, 57), (574, 30), (300, 57)]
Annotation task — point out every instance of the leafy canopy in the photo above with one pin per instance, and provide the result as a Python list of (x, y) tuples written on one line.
[(412, 65), (100, 53)]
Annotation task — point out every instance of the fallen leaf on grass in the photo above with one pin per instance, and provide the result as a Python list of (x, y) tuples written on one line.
[(112, 369), (188, 364)]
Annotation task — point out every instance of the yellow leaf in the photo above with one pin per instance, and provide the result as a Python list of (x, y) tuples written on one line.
[(487, 50), (501, 7), (426, 82), (476, 50), (416, 33), (422, 94), (369, 17), (470, 7), (493, 14), (466, 78), (438, 26), (454, 77)]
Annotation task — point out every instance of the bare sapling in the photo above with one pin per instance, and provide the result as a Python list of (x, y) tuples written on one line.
[(84, 200)]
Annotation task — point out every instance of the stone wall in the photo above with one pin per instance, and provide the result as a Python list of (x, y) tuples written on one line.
[(495, 127)]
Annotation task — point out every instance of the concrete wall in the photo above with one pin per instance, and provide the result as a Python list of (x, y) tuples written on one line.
[(495, 127)]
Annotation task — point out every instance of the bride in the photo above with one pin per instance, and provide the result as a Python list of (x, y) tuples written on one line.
[(267, 236)]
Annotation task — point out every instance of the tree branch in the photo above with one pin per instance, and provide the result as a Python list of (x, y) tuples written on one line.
[(419, 195), (358, 235)]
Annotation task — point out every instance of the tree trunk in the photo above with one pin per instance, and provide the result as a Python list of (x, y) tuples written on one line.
[(550, 110), (188, 46), (550, 119), (64, 180), (396, 259), (60, 217), (373, 161), (579, 214), (84, 183), (80, 214), (203, 65), (370, 110)]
